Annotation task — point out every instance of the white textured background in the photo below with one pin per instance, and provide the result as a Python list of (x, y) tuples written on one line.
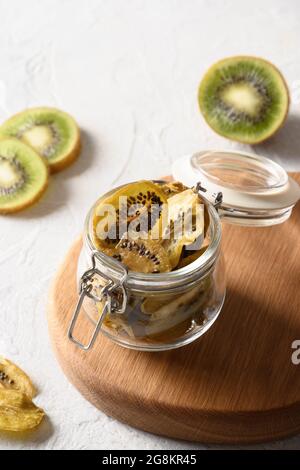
[(128, 72)]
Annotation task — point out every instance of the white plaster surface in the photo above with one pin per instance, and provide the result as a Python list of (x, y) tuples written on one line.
[(128, 71)]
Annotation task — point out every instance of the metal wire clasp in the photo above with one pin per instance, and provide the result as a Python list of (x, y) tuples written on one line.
[(218, 197), (87, 288)]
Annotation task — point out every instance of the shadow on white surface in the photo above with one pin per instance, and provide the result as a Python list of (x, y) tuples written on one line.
[(38, 435), (285, 145), (56, 196), (86, 157)]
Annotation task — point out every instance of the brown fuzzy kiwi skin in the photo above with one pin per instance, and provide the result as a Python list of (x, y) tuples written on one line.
[(34, 199), (69, 158), (280, 125)]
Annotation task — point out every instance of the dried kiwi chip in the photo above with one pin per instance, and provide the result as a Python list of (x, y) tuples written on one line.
[(14, 378), (52, 133), (184, 207), (143, 256), (156, 246), (173, 187), (191, 256), (176, 311), (141, 197), (18, 412), (161, 306)]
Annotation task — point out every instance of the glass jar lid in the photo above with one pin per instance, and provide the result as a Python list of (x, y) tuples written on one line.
[(256, 190)]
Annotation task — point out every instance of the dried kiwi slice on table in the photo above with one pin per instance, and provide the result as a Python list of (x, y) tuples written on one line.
[(244, 98), (52, 133), (13, 378), (18, 412), (142, 198), (23, 176)]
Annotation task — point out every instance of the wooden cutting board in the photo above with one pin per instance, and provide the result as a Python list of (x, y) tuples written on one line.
[(237, 383)]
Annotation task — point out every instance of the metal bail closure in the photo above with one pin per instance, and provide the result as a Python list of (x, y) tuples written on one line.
[(111, 305), (217, 198)]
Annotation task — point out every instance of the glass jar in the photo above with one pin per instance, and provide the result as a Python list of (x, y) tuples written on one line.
[(154, 312)]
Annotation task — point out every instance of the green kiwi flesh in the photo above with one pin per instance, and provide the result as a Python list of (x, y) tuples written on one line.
[(52, 133), (23, 176), (244, 99)]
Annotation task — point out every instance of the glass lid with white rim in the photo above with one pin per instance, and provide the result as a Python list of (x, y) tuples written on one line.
[(256, 190)]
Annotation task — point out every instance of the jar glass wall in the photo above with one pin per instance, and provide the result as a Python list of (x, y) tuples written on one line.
[(163, 311)]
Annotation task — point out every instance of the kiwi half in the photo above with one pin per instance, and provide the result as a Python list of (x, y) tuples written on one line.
[(244, 98), (52, 133), (23, 176)]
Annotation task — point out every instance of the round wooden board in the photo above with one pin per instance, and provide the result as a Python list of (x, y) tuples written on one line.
[(237, 383)]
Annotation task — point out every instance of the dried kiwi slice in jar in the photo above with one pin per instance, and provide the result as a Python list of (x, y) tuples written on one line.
[(164, 312), (190, 256), (23, 176), (143, 256), (185, 224), (141, 202), (173, 187), (52, 133)]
